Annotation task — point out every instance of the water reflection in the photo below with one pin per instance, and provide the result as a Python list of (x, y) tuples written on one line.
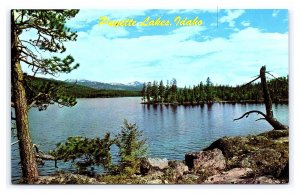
[(174, 108)]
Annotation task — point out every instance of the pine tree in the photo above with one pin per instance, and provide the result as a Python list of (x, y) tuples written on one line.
[(155, 91), (143, 92), (167, 92), (173, 90), (161, 90), (132, 147), (209, 92), (51, 34), (148, 92)]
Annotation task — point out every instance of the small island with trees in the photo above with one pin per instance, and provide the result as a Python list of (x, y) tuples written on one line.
[(158, 93)]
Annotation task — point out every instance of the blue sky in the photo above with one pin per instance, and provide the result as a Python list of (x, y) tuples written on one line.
[(229, 47)]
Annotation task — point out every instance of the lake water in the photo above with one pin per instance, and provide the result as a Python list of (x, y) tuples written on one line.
[(171, 131)]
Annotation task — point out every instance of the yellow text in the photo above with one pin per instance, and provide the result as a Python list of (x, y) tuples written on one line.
[(187, 22), (104, 20)]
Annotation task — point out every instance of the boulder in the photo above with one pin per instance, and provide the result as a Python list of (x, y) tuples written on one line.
[(152, 164), (211, 162), (265, 154), (180, 168), (176, 170), (232, 176)]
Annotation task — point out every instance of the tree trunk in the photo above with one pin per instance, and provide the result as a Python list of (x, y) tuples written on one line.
[(28, 160), (268, 102), (267, 97)]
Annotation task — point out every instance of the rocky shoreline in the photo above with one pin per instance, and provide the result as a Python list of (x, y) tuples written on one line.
[(259, 159)]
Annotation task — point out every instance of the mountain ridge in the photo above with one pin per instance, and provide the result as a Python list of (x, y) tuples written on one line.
[(132, 86)]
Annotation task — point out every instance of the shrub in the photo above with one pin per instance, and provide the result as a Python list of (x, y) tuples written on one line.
[(131, 148), (85, 152)]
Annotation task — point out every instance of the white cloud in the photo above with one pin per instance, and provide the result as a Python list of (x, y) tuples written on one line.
[(107, 31), (230, 61), (275, 13), (245, 23), (231, 16), (187, 32)]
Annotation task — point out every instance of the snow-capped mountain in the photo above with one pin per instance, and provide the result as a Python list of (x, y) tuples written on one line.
[(135, 83), (132, 86)]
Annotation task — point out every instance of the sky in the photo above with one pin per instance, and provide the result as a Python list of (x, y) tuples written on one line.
[(229, 47)]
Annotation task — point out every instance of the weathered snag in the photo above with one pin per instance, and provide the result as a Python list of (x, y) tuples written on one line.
[(268, 104)]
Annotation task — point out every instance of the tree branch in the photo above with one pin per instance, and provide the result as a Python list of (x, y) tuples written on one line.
[(33, 45), (251, 81), (40, 155), (273, 76), (31, 104), (250, 112), (15, 142)]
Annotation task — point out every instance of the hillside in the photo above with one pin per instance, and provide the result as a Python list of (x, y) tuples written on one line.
[(80, 91)]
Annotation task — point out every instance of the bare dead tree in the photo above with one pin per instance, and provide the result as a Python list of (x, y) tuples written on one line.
[(267, 101)]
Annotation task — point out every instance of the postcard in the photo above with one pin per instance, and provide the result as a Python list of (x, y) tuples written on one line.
[(150, 96)]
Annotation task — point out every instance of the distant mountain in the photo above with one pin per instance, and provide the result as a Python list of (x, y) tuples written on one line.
[(133, 86), (81, 91), (135, 83)]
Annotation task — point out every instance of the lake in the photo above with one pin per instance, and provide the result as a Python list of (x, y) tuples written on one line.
[(171, 131)]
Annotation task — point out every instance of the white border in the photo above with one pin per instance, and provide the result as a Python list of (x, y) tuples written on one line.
[(294, 33)]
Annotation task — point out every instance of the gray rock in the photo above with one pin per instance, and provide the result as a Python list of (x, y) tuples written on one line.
[(158, 162), (211, 162), (152, 164), (177, 169), (232, 176), (265, 154)]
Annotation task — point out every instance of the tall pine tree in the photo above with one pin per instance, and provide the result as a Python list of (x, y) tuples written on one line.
[(51, 31)]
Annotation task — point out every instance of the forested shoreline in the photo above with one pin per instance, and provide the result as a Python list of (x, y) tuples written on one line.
[(158, 93), (169, 93)]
